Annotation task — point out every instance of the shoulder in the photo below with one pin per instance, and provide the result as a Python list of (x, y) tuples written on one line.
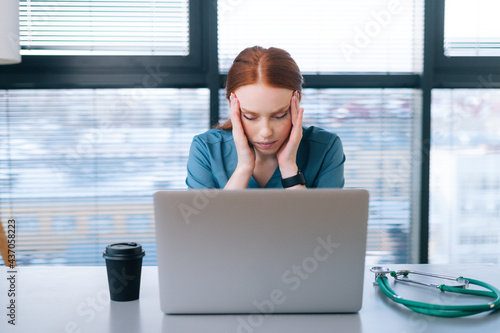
[(214, 136), (319, 136)]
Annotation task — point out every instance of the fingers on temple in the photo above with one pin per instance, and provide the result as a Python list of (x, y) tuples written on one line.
[(296, 110), (234, 107), (235, 112), (295, 102)]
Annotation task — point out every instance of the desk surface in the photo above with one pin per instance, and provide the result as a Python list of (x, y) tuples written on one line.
[(76, 299)]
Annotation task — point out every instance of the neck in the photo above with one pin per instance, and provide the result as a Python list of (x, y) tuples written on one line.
[(265, 159)]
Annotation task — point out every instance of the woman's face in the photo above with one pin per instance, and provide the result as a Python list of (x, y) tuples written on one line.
[(265, 116)]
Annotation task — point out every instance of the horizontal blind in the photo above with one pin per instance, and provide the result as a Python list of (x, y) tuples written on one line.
[(78, 168), (376, 127), (327, 36), (104, 27), (464, 207), (472, 28)]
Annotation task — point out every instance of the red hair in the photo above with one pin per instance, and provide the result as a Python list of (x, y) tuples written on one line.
[(273, 66)]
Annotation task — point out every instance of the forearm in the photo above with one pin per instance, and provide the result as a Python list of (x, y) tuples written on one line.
[(239, 179)]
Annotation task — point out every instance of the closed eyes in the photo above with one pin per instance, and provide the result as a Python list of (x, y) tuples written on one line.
[(276, 116)]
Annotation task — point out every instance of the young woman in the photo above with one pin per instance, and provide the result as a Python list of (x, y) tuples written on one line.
[(264, 145)]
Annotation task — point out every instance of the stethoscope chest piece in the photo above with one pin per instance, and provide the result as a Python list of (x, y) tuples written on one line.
[(379, 272)]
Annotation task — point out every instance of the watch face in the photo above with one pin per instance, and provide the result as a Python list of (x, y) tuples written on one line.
[(302, 178)]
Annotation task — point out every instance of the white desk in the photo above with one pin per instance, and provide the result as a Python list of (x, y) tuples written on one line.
[(76, 299)]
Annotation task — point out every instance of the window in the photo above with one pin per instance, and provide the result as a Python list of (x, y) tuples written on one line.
[(464, 180), (78, 167), (327, 36), (471, 28), (159, 27), (55, 141)]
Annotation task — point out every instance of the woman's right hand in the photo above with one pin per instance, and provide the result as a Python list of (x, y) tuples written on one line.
[(246, 153)]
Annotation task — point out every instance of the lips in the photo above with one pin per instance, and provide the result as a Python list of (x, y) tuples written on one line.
[(265, 145)]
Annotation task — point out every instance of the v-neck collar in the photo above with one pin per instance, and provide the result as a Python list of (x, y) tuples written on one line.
[(271, 183)]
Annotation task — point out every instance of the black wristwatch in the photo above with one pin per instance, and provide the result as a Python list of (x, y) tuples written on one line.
[(298, 179)]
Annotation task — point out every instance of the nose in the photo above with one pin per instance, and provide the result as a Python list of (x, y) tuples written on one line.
[(266, 130)]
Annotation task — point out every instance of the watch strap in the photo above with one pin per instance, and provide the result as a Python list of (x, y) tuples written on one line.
[(298, 179)]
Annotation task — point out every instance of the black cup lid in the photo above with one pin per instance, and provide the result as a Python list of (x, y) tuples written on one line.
[(124, 251)]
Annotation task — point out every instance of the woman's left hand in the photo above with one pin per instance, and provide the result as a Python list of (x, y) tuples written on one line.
[(287, 154)]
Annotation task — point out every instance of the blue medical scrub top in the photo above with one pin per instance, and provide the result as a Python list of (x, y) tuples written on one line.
[(213, 159)]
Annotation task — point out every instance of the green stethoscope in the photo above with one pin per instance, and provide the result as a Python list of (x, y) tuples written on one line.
[(438, 310)]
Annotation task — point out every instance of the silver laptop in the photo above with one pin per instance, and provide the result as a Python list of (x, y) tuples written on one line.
[(261, 251)]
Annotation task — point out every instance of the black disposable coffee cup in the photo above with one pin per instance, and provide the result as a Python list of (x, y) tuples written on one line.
[(123, 264)]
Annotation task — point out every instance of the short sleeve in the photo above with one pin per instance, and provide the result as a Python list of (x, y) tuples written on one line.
[(331, 174), (199, 171)]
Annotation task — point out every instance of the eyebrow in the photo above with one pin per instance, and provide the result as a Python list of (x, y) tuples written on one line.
[(274, 112)]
